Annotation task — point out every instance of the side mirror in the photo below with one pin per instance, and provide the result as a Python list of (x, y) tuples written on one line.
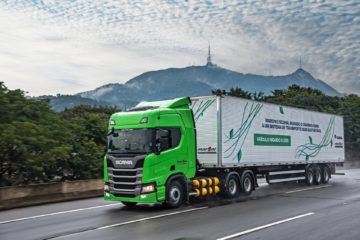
[(113, 133)]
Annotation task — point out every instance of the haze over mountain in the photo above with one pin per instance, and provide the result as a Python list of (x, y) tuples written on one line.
[(188, 81)]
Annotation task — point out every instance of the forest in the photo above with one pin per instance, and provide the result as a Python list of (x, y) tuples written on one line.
[(39, 145)]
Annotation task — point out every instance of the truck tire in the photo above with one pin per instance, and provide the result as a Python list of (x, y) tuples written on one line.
[(129, 204), (309, 176), (247, 184), (325, 174), (232, 188), (174, 194), (317, 175)]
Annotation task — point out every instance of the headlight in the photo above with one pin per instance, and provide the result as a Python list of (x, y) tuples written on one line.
[(112, 122), (148, 188)]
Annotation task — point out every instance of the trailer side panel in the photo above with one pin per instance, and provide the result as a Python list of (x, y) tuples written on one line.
[(257, 133)]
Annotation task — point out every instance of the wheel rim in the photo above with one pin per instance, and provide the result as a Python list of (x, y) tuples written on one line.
[(247, 184), (175, 194), (318, 176), (310, 177), (326, 175), (232, 187)]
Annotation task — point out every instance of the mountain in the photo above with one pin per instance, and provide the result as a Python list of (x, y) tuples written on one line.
[(188, 81), (195, 81), (60, 102)]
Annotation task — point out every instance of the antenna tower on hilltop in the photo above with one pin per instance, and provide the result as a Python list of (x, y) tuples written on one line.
[(208, 62)]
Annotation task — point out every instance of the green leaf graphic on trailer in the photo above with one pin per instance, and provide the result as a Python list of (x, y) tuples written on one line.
[(199, 109), (312, 149), (238, 137), (281, 109), (239, 155), (231, 134)]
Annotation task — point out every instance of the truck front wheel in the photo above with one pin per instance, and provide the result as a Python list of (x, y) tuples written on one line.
[(174, 194)]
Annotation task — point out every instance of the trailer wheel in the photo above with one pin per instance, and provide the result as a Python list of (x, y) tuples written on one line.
[(325, 174), (129, 204), (174, 194), (317, 175), (309, 176), (232, 187), (247, 184)]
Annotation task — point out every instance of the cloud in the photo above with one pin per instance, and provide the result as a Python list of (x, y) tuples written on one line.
[(48, 47)]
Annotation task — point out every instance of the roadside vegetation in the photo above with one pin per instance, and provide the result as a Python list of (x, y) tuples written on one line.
[(38, 145)]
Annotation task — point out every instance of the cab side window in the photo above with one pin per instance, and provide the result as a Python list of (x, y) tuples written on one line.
[(167, 138)]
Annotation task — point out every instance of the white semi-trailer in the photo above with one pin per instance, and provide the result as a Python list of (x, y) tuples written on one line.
[(168, 151), (283, 143)]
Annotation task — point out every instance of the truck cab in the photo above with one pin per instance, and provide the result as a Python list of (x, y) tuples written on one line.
[(151, 153)]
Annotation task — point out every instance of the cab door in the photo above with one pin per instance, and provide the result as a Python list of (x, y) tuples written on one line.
[(172, 154)]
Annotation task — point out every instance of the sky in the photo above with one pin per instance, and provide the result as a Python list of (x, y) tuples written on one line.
[(50, 47)]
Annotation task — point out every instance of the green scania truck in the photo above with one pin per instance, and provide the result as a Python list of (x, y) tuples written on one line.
[(171, 151)]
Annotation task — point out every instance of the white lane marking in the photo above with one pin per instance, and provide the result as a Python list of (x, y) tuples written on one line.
[(262, 184), (57, 213), (306, 189), (265, 226), (149, 218), (133, 221)]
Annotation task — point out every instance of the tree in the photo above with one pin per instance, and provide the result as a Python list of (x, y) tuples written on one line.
[(236, 92), (39, 145)]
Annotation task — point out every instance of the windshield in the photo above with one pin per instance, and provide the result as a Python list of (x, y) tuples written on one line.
[(130, 141)]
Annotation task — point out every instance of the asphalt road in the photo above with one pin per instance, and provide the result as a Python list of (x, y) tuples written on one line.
[(287, 211)]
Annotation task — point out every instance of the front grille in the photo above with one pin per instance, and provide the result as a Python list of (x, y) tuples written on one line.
[(125, 179), (125, 182), (123, 186), (124, 172)]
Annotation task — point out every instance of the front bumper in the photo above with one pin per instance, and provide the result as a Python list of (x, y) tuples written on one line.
[(143, 198)]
